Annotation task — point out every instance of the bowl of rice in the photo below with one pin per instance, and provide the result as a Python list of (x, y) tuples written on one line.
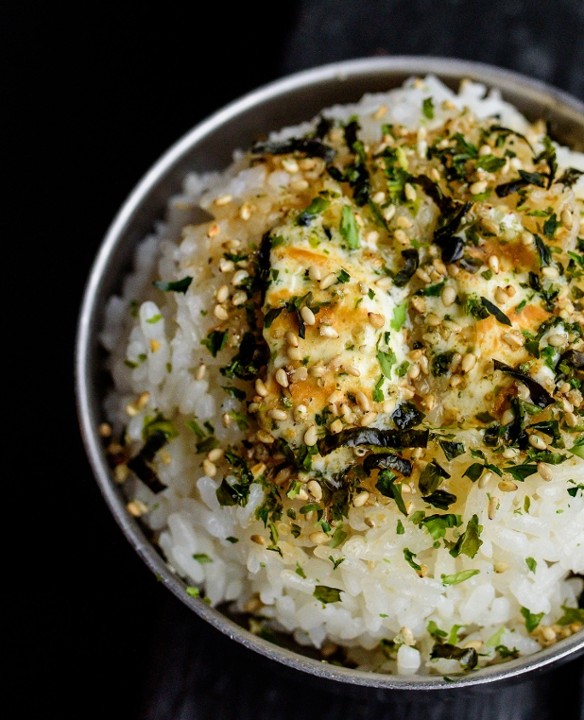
[(329, 373)]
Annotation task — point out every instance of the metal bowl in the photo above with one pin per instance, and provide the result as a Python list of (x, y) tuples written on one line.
[(209, 146)]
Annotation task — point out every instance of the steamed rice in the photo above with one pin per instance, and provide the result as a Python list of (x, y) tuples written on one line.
[(459, 542)]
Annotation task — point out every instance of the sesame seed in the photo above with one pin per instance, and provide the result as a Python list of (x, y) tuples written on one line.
[(261, 388), (213, 230), (314, 273), (136, 508), (377, 320), (319, 537), (239, 277), (220, 312), (222, 294), (537, 442), (245, 211), (507, 486), (307, 315), (448, 295), (327, 281), (258, 469), (258, 539), (209, 468), (314, 489), (264, 437), (201, 371), (379, 197), (550, 272), (478, 187), (410, 192), (226, 265), (336, 426), (281, 377), (468, 362), (278, 414), (556, 340), (223, 200), (328, 331), (310, 436), (215, 454), (290, 165), (493, 262)]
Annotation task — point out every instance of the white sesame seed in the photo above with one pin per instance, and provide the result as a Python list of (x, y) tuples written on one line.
[(239, 277), (360, 499), (448, 295), (310, 436), (278, 414), (468, 362), (478, 187), (307, 315), (314, 488), (314, 273), (537, 442), (261, 388), (281, 377), (328, 331), (327, 281), (220, 312)]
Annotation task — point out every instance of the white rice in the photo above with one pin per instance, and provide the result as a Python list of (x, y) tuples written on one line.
[(386, 609)]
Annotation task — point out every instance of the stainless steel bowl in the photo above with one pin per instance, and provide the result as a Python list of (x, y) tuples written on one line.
[(208, 146)]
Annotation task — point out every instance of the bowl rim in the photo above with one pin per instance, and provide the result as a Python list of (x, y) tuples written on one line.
[(88, 412)]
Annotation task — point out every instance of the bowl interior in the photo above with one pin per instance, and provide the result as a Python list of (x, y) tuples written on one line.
[(209, 146)]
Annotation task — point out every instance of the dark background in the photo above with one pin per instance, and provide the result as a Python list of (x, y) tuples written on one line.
[(92, 97)]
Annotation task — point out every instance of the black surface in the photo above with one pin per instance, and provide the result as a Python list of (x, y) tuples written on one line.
[(92, 96)]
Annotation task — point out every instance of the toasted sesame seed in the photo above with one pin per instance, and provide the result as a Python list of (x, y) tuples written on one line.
[(258, 539), (258, 469), (264, 437), (223, 200), (310, 436), (136, 508), (507, 486), (307, 315), (213, 230), (377, 320)]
